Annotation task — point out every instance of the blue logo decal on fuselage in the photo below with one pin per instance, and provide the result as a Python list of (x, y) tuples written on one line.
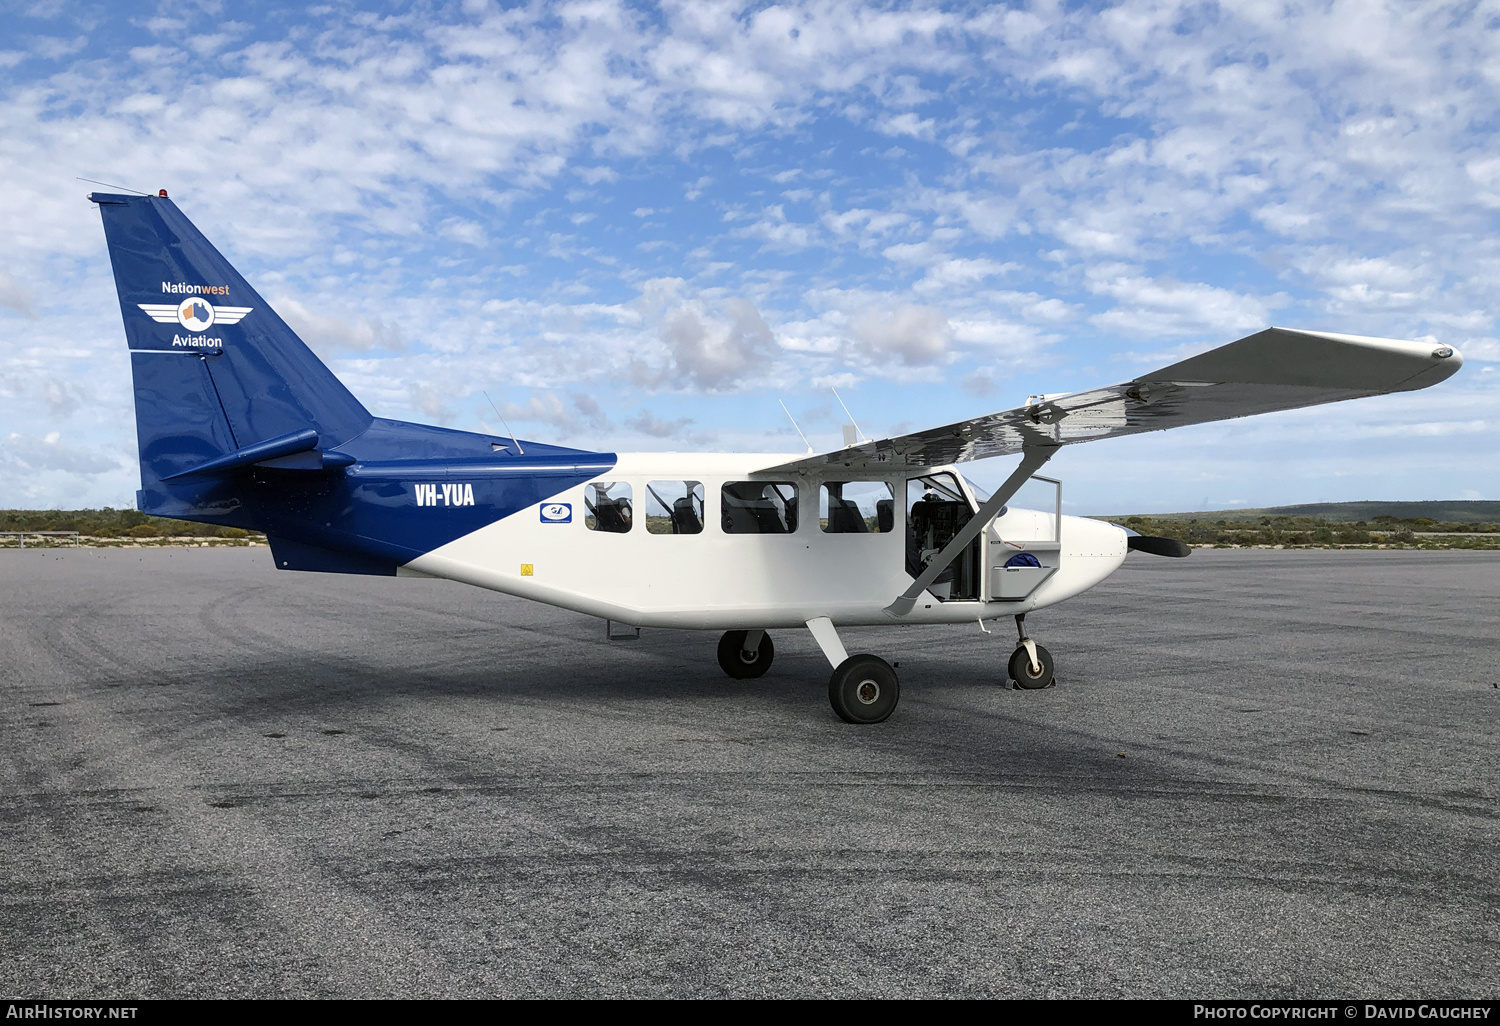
[(557, 513)]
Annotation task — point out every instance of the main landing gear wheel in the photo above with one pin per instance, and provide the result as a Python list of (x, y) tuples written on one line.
[(742, 665), (1027, 676), (864, 689)]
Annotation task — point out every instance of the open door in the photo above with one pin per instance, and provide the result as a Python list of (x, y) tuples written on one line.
[(937, 507)]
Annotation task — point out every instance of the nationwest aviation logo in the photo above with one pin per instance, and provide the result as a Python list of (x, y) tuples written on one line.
[(194, 313)]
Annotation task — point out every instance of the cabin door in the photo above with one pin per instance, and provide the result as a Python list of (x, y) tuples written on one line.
[(936, 510)]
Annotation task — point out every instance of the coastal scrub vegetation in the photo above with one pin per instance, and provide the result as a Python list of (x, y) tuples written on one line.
[(116, 526)]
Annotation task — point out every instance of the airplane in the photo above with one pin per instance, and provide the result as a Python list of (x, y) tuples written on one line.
[(240, 425)]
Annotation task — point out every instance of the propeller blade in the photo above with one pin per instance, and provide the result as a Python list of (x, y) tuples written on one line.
[(1158, 546)]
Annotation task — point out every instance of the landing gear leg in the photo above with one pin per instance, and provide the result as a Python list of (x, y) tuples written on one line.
[(863, 688), (1030, 664)]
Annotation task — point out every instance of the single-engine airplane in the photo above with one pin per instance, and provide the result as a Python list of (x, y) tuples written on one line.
[(240, 425)]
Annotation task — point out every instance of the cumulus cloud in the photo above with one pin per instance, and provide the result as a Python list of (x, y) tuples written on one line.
[(39, 454), (541, 409), (435, 402), (913, 334), (589, 410), (979, 383), (715, 345), (578, 410), (648, 424), (470, 186), (328, 328), (14, 295), (1147, 307), (1485, 350), (459, 229), (777, 233)]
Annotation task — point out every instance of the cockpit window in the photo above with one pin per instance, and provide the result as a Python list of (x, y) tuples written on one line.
[(941, 486), (759, 507)]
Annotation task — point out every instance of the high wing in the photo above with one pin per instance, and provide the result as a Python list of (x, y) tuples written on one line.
[(1274, 369)]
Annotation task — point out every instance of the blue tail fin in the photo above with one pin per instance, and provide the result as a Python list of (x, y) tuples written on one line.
[(217, 373), (241, 425)]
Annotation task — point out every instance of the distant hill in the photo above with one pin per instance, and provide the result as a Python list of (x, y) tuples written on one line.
[(1446, 510)]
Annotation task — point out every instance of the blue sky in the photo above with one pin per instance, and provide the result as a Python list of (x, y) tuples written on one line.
[(640, 226)]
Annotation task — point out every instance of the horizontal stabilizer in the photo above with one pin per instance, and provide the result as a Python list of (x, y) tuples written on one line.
[(1275, 369), (1158, 546), (270, 449)]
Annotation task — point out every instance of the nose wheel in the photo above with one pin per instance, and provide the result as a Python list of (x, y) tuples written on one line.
[(1030, 664)]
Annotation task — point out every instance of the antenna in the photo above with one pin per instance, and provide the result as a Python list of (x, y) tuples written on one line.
[(858, 433), (111, 185), (508, 431), (810, 450)]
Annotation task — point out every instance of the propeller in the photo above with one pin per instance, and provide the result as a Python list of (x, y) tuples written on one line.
[(1158, 546)]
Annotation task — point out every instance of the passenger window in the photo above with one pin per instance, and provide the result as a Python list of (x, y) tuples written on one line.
[(857, 507), (674, 507), (759, 507), (609, 507)]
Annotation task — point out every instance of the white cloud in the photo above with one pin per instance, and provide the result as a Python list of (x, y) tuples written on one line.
[(648, 424), (913, 334), (716, 355), (541, 409), (1151, 307), (959, 273), (777, 233), (17, 296), (1151, 168), (39, 454), (1484, 350), (459, 229), (907, 124), (327, 327)]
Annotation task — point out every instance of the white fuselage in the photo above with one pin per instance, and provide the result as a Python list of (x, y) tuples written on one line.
[(719, 581)]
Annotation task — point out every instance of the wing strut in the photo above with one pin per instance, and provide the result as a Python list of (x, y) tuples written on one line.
[(1032, 458)]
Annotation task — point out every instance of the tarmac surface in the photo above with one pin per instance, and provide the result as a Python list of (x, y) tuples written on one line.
[(223, 780)]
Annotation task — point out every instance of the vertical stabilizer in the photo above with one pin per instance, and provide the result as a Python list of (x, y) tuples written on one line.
[(215, 369)]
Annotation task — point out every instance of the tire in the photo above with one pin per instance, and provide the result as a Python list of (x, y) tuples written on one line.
[(732, 656), (864, 689), (1020, 669)]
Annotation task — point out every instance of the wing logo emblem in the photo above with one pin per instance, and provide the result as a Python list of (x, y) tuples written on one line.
[(194, 313)]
